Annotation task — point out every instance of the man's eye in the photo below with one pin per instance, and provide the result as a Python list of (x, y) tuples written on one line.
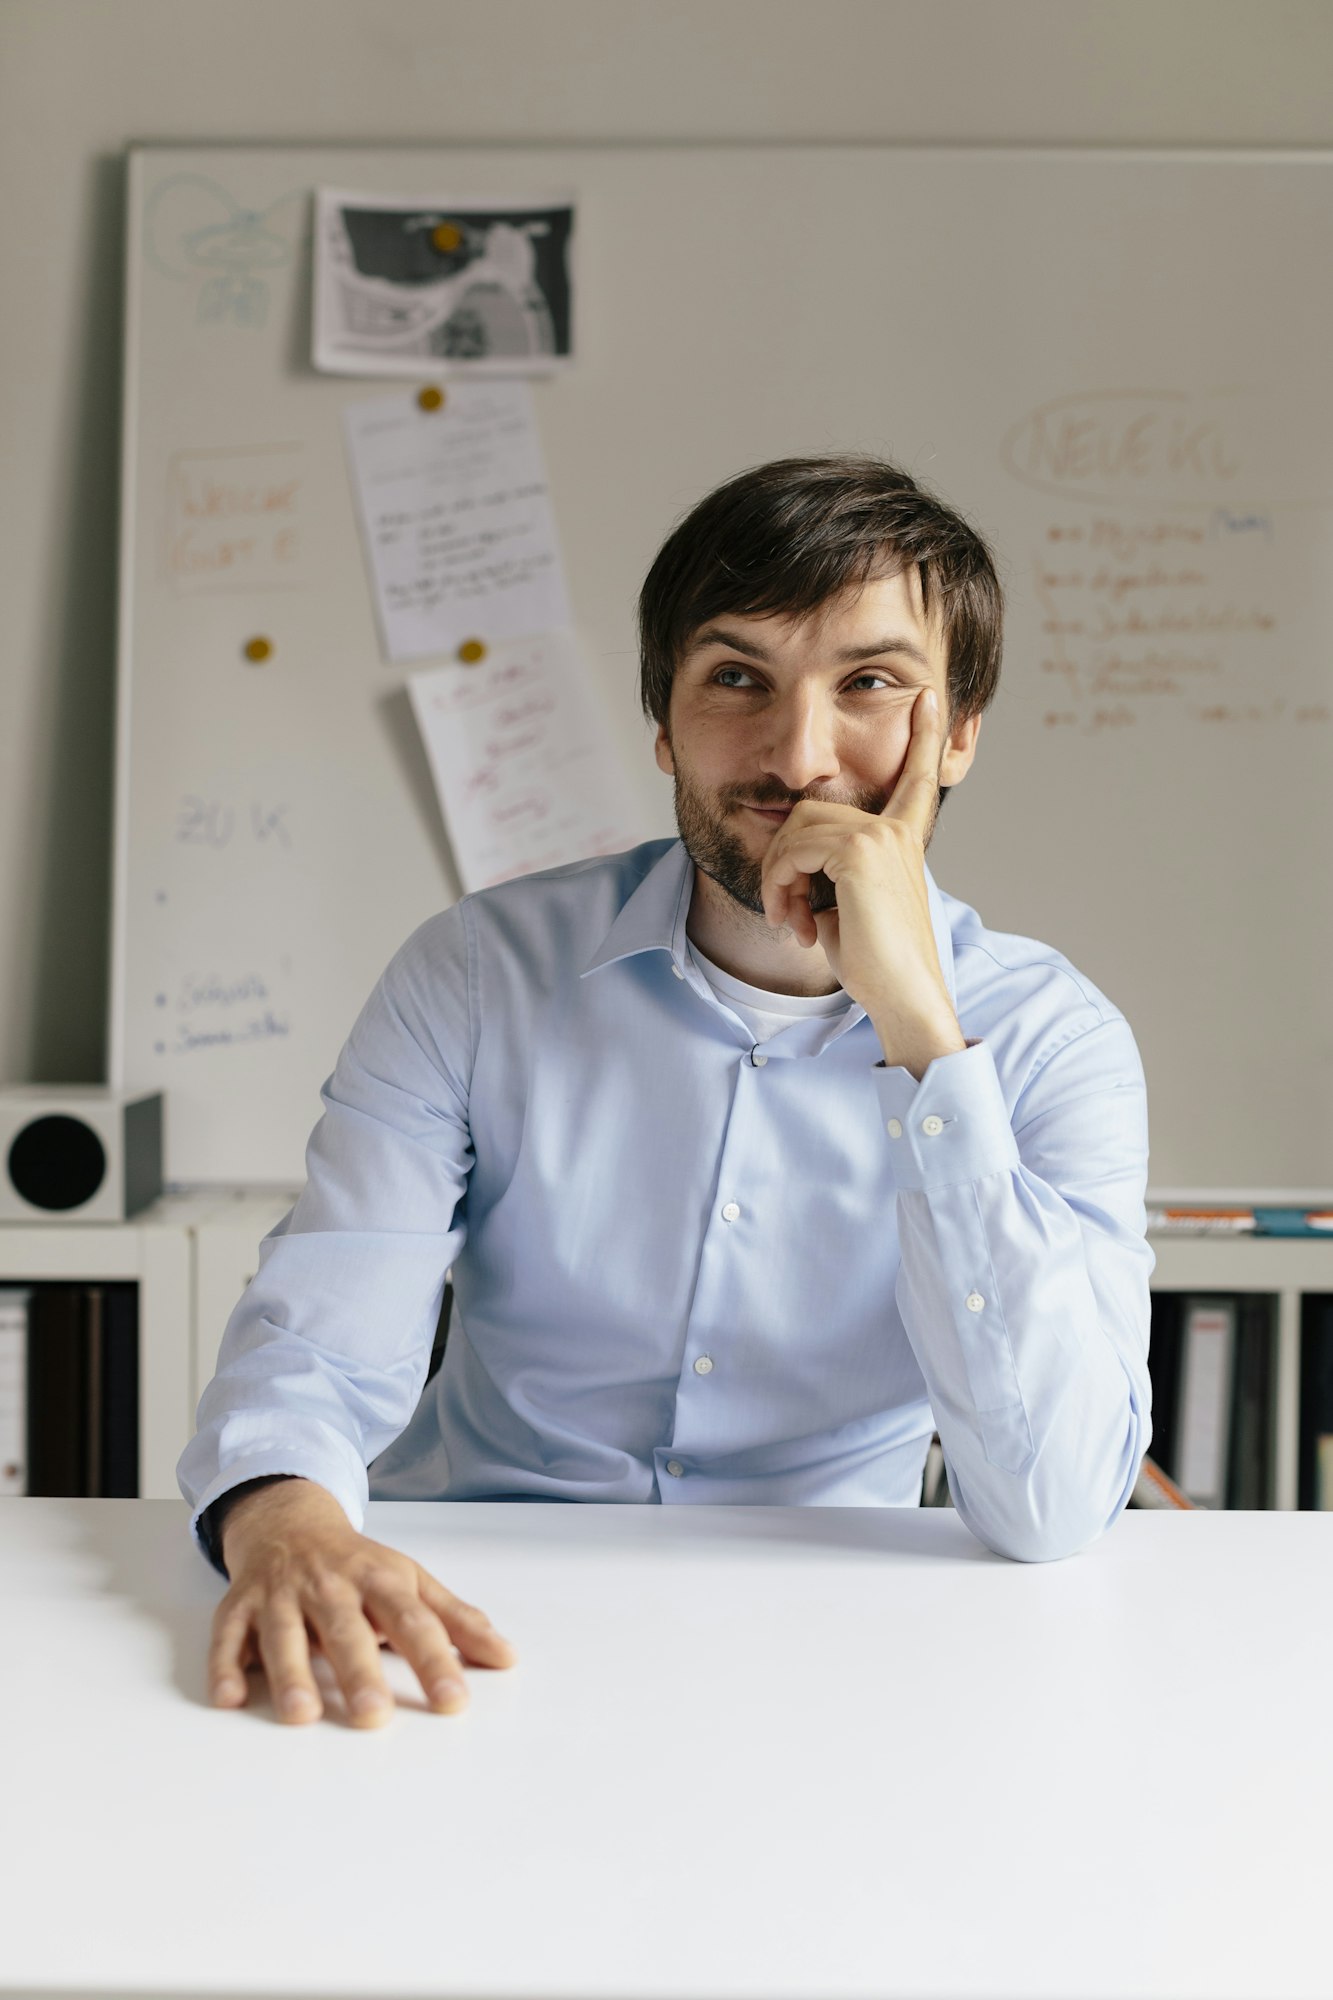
[(875, 680), (722, 673)]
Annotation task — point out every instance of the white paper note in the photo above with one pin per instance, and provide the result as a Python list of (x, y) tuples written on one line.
[(524, 767), (456, 518)]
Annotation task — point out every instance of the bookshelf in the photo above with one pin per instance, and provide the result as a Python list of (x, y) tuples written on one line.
[(187, 1253), (1286, 1269), (193, 1253)]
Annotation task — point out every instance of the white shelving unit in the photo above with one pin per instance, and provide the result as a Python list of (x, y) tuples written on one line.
[(1286, 1267), (187, 1253), (193, 1254)]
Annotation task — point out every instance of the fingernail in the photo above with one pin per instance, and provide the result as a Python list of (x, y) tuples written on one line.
[(367, 1702), (932, 701), (298, 1702), (226, 1690), (444, 1692)]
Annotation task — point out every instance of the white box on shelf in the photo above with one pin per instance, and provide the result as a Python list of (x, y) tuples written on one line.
[(78, 1152)]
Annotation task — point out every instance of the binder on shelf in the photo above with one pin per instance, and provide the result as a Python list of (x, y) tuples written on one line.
[(1250, 1465), (1203, 1425), (1165, 1337), (14, 1389), (1315, 1473), (57, 1395), (83, 1391), (120, 1400)]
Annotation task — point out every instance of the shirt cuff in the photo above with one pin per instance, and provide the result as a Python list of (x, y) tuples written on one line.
[(951, 1126)]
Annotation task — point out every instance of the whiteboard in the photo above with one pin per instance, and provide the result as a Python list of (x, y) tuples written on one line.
[(1115, 364)]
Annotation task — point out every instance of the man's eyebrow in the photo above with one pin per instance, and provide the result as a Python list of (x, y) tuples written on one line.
[(716, 635)]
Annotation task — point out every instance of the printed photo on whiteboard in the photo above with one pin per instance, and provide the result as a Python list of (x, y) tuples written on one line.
[(455, 518), (405, 287), (525, 770)]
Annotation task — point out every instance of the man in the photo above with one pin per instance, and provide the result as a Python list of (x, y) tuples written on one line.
[(756, 1157)]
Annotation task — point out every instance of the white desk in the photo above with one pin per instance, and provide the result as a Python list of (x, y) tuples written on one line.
[(746, 1752)]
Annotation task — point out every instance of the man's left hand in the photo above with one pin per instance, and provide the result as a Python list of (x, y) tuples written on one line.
[(878, 941)]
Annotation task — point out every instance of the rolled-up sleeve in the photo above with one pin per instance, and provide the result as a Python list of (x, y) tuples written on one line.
[(324, 1356), (1023, 1285)]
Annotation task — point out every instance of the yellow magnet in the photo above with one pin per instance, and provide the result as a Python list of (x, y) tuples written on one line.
[(430, 399), (258, 649), (471, 651), (446, 236)]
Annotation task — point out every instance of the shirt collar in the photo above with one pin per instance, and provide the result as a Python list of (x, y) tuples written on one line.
[(654, 919)]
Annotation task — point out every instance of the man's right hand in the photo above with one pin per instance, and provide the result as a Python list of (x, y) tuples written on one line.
[(300, 1573)]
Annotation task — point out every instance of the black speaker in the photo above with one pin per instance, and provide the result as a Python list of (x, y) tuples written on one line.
[(78, 1151)]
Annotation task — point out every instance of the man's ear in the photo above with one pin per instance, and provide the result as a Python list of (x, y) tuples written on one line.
[(959, 749), (662, 751)]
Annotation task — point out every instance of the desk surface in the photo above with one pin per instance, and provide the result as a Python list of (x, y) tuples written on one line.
[(752, 1752)]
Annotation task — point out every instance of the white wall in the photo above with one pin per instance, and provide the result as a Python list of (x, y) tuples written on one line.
[(80, 79)]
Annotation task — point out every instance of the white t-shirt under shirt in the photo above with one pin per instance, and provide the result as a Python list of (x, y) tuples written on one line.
[(764, 1013)]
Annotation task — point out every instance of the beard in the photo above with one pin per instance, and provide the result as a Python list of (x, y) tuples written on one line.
[(702, 820)]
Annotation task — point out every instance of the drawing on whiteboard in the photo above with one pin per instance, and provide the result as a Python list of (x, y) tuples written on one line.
[(194, 230), (1181, 614), (1234, 453), (232, 519), (524, 768), (404, 287), (455, 518), (261, 1028), (1109, 446), (1159, 591), (211, 1009), (213, 822)]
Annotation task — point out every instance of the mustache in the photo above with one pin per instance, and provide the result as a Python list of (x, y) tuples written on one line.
[(777, 798)]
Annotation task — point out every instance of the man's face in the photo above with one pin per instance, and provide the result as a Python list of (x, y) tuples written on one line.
[(768, 711)]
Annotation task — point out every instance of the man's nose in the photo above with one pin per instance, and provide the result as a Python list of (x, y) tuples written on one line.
[(799, 748)]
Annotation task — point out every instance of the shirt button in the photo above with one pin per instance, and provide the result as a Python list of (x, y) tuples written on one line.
[(731, 1211), (675, 1468), (932, 1126), (704, 1365), (676, 969), (895, 1128), (758, 1059), (974, 1302)]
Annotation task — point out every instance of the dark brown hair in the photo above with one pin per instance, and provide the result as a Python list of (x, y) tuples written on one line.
[(784, 538)]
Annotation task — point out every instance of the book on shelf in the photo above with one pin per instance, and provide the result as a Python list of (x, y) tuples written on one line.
[(79, 1398), (1260, 1220)]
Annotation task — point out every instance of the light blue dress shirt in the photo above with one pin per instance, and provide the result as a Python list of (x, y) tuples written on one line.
[(691, 1269)]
